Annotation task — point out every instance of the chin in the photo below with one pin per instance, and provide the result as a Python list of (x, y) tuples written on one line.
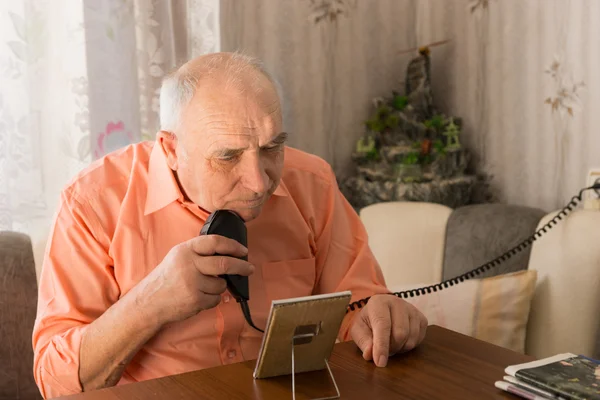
[(248, 214), (248, 210)]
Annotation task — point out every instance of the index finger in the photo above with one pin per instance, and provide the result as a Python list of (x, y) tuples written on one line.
[(363, 336), (207, 245), (223, 265), (381, 324)]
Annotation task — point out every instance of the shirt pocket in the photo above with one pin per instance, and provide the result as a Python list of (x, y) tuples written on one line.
[(290, 278)]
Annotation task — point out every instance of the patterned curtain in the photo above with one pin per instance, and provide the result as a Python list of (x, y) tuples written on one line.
[(78, 79)]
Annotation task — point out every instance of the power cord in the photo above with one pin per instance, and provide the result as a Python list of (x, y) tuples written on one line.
[(491, 264), (247, 316)]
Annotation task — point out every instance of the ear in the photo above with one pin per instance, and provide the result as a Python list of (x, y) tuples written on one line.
[(168, 141)]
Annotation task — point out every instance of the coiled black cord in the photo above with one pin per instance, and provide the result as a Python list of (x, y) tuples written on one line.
[(491, 264)]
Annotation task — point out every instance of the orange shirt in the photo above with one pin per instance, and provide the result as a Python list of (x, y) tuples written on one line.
[(119, 218)]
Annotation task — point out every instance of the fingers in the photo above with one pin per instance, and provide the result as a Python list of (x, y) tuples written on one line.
[(424, 323), (400, 325), (388, 325), (408, 327), (207, 245), (213, 285), (362, 336), (210, 301), (226, 262), (381, 325), (414, 328), (222, 265)]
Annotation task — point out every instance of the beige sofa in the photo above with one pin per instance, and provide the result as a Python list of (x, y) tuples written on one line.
[(415, 241)]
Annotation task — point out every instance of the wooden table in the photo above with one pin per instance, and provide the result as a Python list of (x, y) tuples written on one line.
[(447, 365)]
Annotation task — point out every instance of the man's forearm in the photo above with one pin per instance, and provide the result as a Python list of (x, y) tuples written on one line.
[(110, 342)]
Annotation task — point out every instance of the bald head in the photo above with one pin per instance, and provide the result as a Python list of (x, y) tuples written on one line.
[(210, 74)]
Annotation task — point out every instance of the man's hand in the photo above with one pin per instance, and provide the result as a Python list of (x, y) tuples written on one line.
[(186, 281), (183, 284), (387, 325)]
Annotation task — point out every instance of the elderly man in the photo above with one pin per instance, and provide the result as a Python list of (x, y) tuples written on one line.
[(130, 292)]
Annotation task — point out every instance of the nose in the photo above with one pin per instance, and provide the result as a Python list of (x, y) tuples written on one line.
[(254, 175)]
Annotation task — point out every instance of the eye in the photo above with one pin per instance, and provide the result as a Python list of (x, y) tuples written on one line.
[(277, 144), (273, 147), (227, 159)]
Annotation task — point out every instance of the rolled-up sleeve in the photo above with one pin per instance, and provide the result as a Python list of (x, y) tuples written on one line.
[(344, 259), (76, 286)]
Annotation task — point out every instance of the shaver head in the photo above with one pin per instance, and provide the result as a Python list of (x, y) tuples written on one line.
[(227, 223)]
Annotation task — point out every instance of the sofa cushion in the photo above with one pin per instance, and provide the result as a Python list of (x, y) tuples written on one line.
[(18, 298), (479, 233)]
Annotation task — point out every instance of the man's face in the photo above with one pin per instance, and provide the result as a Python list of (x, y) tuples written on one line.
[(230, 152)]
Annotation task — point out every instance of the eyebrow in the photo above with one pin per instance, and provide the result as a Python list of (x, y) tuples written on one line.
[(231, 153), (280, 139)]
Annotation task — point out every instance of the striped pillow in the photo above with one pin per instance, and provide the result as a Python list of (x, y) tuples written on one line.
[(494, 309)]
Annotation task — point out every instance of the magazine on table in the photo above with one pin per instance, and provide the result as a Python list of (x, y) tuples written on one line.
[(563, 376)]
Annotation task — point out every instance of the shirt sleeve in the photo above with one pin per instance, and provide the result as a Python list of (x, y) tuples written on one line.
[(344, 260), (76, 286)]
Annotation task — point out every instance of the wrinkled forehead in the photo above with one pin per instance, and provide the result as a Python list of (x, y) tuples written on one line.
[(234, 109)]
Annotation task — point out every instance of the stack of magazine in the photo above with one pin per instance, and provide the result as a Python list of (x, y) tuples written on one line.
[(564, 376)]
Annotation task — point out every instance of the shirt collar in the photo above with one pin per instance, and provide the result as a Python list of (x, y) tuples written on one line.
[(162, 186)]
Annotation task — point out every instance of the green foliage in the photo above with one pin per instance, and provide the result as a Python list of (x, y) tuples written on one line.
[(392, 121), (411, 158), (383, 119), (373, 154), (383, 111), (436, 122), (375, 125), (426, 159), (439, 146), (400, 102)]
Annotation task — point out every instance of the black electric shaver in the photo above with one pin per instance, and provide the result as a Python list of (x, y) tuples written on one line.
[(229, 224)]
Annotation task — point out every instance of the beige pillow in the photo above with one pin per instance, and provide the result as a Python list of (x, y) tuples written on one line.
[(492, 309)]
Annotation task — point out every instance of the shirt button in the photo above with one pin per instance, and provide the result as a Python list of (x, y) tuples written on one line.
[(231, 353), (226, 298)]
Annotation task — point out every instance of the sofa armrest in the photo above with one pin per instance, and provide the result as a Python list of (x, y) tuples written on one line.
[(565, 312), (407, 239)]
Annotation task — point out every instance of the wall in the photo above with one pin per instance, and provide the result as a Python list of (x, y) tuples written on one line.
[(492, 73), (330, 70), (496, 73)]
